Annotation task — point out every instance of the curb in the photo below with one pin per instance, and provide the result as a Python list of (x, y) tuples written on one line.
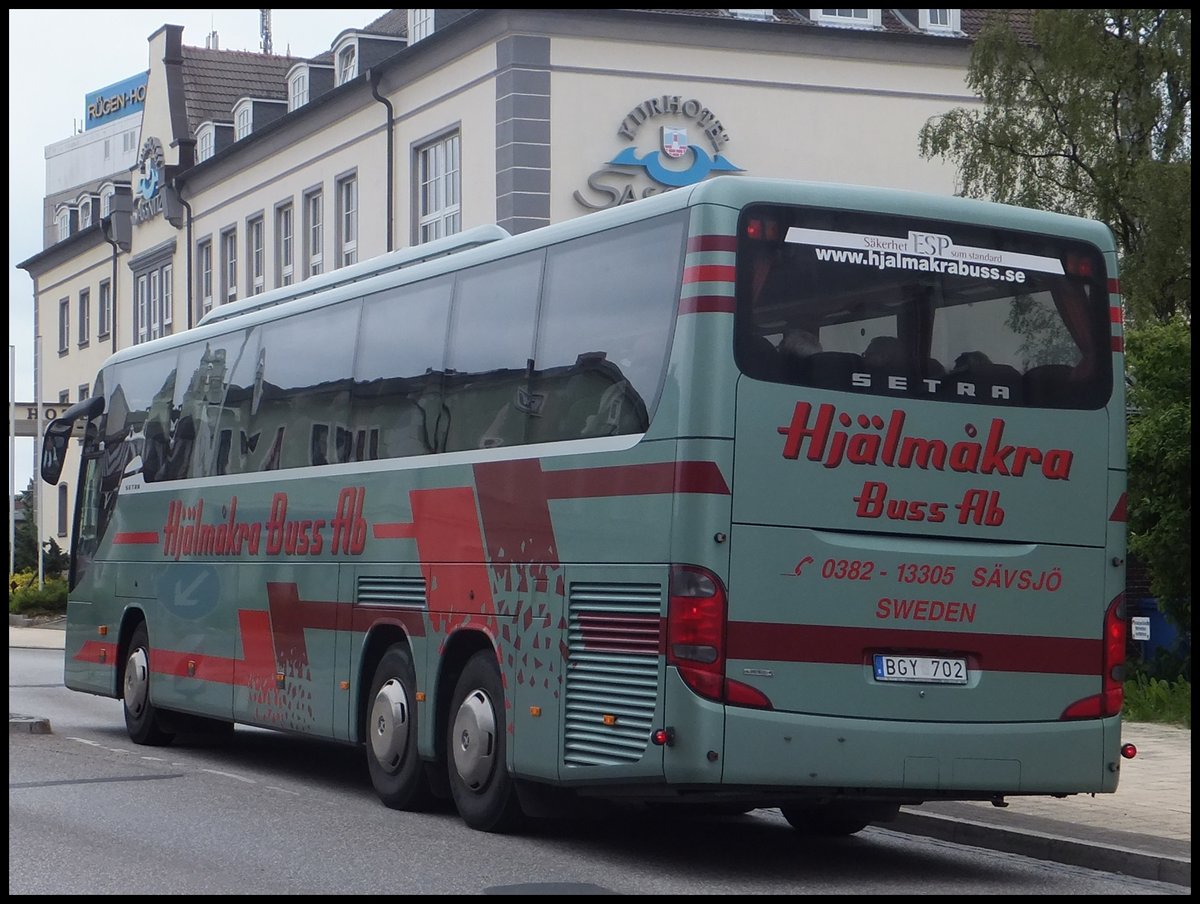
[(1040, 846), (19, 724)]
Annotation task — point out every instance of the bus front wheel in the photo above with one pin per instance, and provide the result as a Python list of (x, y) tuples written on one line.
[(482, 789), (391, 732), (142, 719)]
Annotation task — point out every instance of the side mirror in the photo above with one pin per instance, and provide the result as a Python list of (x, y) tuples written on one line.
[(58, 434)]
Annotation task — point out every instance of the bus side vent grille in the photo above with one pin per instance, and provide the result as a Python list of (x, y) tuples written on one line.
[(612, 672), (386, 590)]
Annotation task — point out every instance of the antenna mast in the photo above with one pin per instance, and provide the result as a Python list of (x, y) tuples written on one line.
[(264, 26)]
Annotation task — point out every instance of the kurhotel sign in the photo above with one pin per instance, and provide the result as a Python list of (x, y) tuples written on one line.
[(148, 199), (673, 163)]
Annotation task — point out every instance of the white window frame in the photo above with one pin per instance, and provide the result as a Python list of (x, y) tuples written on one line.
[(420, 24), (141, 329), (256, 255), (206, 141), (347, 219), (347, 63), (243, 121), (63, 219), (104, 309), (314, 233), (285, 244), (85, 316), (228, 266), (952, 25), (64, 325), (298, 90), (439, 181), (846, 18), (168, 299), (85, 213), (106, 198), (204, 275)]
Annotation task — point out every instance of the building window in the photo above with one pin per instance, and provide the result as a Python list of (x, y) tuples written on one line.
[(940, 21), (129, 141), (64, 398), (64, 325), (83, 392), (168, 299), (62, 509), (141, 327), (104, 310), (285, 258), (63, 219), (85, 213), (347, 64), (106, 197), (205, 141), (254, 255), (204, 276), (85, 318), (347, 220), (850, 18), (420, 24), (314, 233), (228, 266), (298, 95), (439, 212), (243, 122)]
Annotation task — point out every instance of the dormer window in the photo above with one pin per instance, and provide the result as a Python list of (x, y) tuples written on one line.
[(63, 220), (347, 66), (206, 136), (106, 198), (242, 120), (298, 90), (85, 213), (420, 24), (941, 21), (848, 18), (758, 15)]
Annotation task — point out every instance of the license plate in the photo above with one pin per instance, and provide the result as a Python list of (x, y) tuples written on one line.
[(931, 669)]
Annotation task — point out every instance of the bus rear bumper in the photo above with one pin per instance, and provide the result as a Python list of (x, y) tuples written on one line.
[(931, 759)]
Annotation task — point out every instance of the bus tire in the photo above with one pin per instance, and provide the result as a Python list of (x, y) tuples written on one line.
[(142, 719), (391, 733), (483, 790), (828, 820)]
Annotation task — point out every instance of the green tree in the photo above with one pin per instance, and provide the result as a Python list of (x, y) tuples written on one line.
[(1093, 118), (25, 557)]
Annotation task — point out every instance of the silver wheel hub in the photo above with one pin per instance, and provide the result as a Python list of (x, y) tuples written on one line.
[(474, 739), (137, 682), (388, 725)]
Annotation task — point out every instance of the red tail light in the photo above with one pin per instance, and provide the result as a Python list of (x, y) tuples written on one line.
[(696, 618), (1112, 669)]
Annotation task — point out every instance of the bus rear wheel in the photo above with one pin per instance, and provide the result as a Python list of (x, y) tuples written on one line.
[(480, 784), (142, 718), (835, 819), (391, 733)]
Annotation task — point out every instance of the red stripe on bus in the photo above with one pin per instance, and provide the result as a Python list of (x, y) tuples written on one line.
[(706, 304), (135, 538), (97, 652), (1114, 287), (712, 243), (627, 634), (637, 480), (854, 646), (394, 531), (708, 273), (1118, 343), (1114, 315), (1118, 513)]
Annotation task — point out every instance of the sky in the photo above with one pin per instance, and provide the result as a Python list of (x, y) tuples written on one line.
[(55, 58)]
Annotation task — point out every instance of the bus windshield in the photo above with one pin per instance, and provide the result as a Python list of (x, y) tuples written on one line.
[(921, 309)]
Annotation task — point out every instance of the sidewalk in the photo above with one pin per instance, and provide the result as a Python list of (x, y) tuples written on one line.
[(1143, 830)]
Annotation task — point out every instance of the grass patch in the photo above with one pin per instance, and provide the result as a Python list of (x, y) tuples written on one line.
[(1161, 700)]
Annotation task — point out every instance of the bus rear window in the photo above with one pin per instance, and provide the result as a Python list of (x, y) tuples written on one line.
[(921, 309)]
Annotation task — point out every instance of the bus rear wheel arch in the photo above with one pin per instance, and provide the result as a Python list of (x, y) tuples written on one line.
[(390, 733), (476, 742), (143, 720)]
